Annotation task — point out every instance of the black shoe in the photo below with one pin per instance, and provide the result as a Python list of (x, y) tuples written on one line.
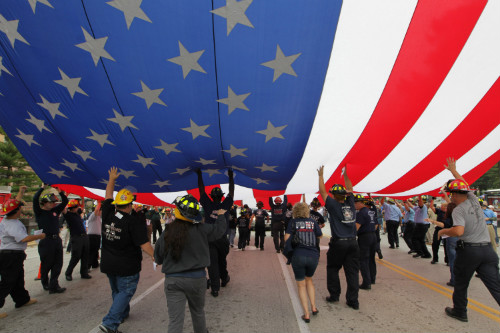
[(397, 245), (243, 249), (215, 293), (411, 251), (450, 284), (353, 306), (416, 255), (451, 312), (107, 329), (69, 278), (427, 257), (331, 299), (315, 312), (86, 276), (262, 249), (365, 287), (226, 281), (58, 290), (45, 286), (306, 320), (434, 262), (380, 256), (391, 247), (37, 279)]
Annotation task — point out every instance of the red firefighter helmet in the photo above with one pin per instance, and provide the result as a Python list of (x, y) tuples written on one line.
[(11, 205), (278, 200), (458, 186)]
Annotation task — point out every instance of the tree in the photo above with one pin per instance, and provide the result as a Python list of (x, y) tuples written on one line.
[(15, 171), (490, 180)]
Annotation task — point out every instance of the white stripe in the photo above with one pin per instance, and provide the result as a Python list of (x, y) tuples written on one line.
[(367, 42), (472, 75), (169, 197), (297, 308), (487, 147), (135, 300)]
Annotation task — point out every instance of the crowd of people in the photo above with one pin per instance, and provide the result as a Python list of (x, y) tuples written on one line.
[(199, 234)]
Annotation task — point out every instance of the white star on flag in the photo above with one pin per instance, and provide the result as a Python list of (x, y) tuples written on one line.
[(196, 130), (131, 9), (188, 61), (72, 84), (27, 138), (123, 121), (95, 47), (127, 173), (58, 173), (85, 155), (282, 64), (234, 167), (261, 181), (9, 28), (168, 148), (72, 166), (236, 151), (234, 101), (34, 2), (212, 172), (3, 68), (266, 167), (234, 13), (150, 96), (53, 108), (272, 132), (205, 162), (102, 139), (181, 171), (39, 123), (161, 184), (144, 161)]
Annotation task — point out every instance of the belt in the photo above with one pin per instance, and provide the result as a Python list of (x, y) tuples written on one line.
[(53, 236), (79, 235), (11, 251), (477, 244), (344, 239)]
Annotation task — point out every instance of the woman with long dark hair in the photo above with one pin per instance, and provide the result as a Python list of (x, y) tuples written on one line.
[(183, 252)]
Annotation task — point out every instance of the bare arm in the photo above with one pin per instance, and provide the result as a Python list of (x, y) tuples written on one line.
[(110, 187), (445, 195), (30, 238), (432, 207), (20, 194), (347, 181), (146, 247), (322, 188), (420, 201), (452, 167), (437, 223), (453, 231)]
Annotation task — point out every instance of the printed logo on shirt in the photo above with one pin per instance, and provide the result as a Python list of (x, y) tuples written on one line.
[(278, 211), (348, 214), (111, 231), (371, 213)]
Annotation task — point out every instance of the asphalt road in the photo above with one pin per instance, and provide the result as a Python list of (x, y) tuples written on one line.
[(410, 296)]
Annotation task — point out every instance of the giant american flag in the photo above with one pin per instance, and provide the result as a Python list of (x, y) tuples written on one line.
[(270, 88)]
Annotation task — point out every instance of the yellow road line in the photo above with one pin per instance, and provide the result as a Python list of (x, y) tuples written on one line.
[(480, 308)]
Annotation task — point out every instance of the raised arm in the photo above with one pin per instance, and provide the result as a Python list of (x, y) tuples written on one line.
[(231, 182), (322, 188), (452, 167), (347, 181), (420, 201), (20, 194), (201, 186), (445, 195), (110, 187), (432, 206)]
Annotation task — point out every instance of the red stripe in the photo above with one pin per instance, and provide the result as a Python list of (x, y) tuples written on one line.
[(262, 195), (476, 126), (151, 200), (78, 190), (435, 37)]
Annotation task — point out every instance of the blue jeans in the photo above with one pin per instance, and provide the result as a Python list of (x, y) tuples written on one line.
[(451, 250), (496, 234), (232, 234), (122, 290)]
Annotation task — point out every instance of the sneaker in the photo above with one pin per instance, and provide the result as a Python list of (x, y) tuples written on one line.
[(30, 302), (106, 329), (58, 290), (69, 278), (226, 281), (451, 313), (331, 299)]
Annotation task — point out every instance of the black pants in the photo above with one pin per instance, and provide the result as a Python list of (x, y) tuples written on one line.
[(260, 233), (408, 235), (418, 239), (482, 260), (243, 234), (218, 264), (343, 254), (94, 246), (277, 228), (156, 227), (51, 260), (367, 247), (12, 278), (377, 235), (435, 244), (392, 232), (79, 252)]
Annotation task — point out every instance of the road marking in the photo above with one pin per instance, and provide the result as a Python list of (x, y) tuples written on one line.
[(473, 304), (294, 297), (135, 300)]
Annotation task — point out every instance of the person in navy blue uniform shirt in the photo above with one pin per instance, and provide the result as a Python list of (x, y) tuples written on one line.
[(278, 215), (260, 215), (343, 249), (366, 221), (217, 271)]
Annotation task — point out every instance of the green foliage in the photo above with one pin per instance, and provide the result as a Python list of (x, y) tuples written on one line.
[(15, 171), (490, 180)]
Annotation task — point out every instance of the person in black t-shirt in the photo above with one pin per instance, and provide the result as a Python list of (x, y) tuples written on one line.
[(315, 204), (260, 215), (217, 271), (123, 238), (50, 248), (278, 214), (79, 241), (243, 229), (343, 249), (366, 221)]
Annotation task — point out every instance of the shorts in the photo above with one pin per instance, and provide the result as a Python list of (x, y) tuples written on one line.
[(304, 266)]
